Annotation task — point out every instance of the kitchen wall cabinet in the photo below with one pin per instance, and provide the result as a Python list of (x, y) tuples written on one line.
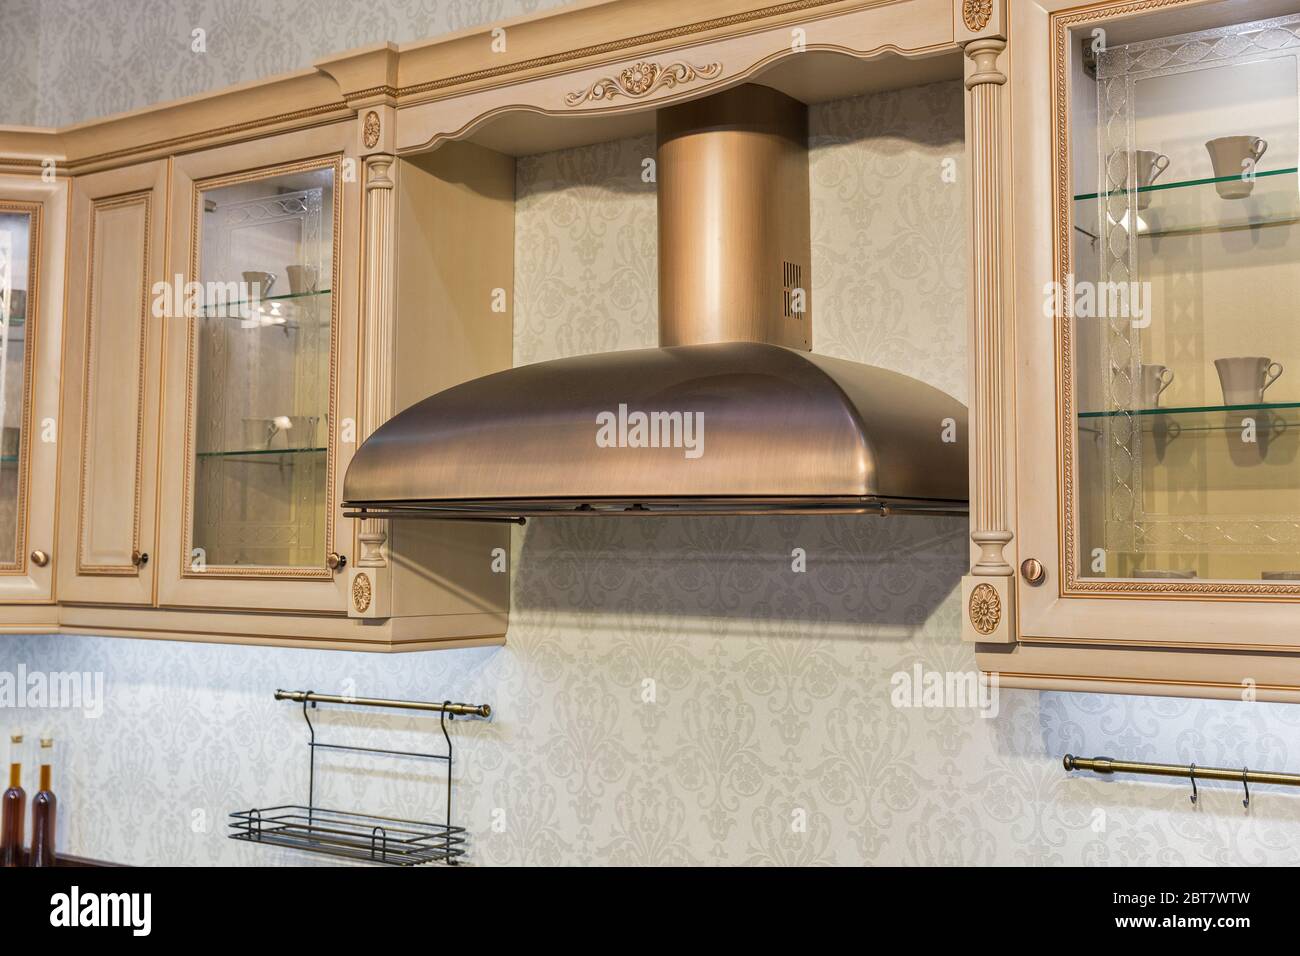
[(1138, 501), (370, 204), (199, 481), (111, 379), (33, 223)]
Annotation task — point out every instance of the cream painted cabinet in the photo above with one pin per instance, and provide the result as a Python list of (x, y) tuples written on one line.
[(258, 278), (33, 219), (111, 377), (1138, 500), (259, 411)]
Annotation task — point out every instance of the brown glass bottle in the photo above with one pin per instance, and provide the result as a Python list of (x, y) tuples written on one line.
[(44, 808), (13, 808)]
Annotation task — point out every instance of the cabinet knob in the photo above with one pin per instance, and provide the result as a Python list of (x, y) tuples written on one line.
[(139, 558), (40, 558), (336, 561), (1032, 570)]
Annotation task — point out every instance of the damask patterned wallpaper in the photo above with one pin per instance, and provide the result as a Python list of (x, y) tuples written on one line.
[(672, 691), (20, 23), (97, 57)]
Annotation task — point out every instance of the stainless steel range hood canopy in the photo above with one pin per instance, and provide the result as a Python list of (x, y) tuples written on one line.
[(729, 416), (734, 427)]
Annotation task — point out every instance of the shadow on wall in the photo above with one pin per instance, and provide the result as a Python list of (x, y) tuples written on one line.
[(883, 576)]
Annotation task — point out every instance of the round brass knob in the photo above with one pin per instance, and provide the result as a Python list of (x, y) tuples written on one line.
[(1032, 570), (336, 561), (139, 558), (40, 558)]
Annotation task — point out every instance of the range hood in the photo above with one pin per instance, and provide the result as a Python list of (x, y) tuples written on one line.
[(730, 415)]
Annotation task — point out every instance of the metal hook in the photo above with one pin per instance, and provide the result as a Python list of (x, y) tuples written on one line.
[(1191, 771), (1245, 782)]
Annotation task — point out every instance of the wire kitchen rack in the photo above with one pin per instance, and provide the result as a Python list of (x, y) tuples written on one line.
[(351, 835)]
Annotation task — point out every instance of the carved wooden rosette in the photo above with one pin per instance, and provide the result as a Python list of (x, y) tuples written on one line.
[(370, 130), (369, 575), (641, 79), (990, 583), (362, 593), (975, 14)]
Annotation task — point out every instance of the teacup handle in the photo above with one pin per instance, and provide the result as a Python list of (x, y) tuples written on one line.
[(1258, 147), (1166, 379), (1158, 166), (1271, 376)]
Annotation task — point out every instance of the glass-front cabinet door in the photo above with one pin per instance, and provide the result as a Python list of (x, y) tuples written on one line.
[(20, 225), (1173, 349), (1186, 407), (32, 218), (257, 402)]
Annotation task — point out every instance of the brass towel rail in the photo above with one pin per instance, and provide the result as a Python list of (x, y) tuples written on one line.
[(456, 710), (1244, 776)]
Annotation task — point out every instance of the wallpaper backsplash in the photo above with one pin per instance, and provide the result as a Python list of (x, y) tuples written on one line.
[(672, 691), (88, 58)]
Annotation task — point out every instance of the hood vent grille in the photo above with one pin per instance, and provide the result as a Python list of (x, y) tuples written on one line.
[(792, 289)]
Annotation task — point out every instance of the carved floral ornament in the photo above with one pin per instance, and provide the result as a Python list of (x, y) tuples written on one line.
[(985, 608), (361, 593), (370, 129), (976, 14), (642, 79)]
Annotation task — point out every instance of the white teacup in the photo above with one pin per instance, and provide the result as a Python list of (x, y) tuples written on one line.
[(1155, 379), (302, 279), (1236, 157), (259, 284), (259, 433), (1245, 378), (301, 431), (1147, 167)]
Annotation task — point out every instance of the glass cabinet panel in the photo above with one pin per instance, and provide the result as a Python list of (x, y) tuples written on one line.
[(1183, 336), (263, 354), (17, 279)]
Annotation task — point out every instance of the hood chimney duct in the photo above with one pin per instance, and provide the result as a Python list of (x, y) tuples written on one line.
[(734, 238)]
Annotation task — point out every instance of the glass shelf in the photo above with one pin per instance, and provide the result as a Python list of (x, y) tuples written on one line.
[(218, 308), (1271, 419), (260, 452), (1192, 410), (1195, 206)]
